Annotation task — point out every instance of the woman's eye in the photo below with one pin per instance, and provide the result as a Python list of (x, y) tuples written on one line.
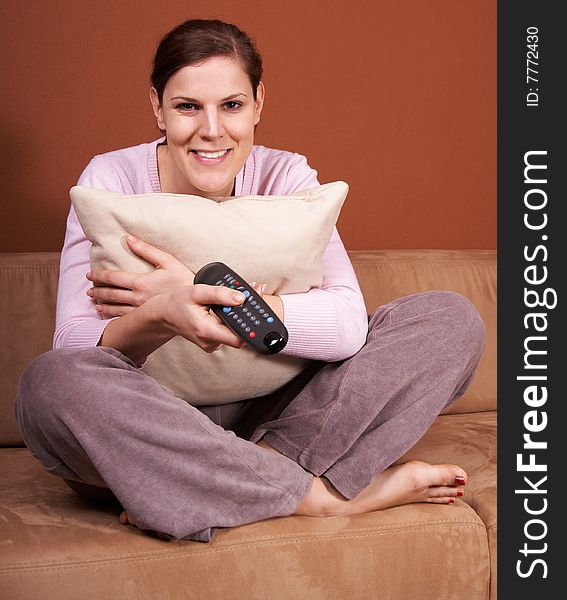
[(232, 105), (186, 106)]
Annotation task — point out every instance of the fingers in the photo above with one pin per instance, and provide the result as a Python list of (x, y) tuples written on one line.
[(210, 331), (260, 288), (153, 255), (220, 333), (123, 279), (106, 277), (188, 313), (110, 295), (109, 311), (241, 342)]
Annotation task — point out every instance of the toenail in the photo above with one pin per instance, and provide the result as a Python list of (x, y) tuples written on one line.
[(460, 492), (459, 480)]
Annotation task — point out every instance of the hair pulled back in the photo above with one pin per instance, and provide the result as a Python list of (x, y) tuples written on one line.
[(196, 40)]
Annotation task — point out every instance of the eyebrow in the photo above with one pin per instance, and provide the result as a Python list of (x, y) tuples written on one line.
[(231, 97)]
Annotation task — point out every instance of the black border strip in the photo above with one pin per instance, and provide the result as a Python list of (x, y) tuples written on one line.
[(531, 129)]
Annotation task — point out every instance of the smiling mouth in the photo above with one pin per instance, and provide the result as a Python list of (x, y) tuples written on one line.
[(211, 154)]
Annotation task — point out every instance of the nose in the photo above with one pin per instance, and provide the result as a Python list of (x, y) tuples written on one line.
[(211, 126)]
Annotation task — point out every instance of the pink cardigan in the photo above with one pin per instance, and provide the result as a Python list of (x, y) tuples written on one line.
[(327, 323)]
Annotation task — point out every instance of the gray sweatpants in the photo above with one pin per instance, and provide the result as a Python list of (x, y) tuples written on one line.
[(90, 416)]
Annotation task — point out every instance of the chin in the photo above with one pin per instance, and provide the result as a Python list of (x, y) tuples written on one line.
[(213, 190)]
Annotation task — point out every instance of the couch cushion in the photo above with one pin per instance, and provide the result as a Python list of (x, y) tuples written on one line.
[(28, 290), (385, 275), (54, 544), (469, 441)]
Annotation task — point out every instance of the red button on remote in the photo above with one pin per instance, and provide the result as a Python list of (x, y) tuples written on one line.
[(252, 334)]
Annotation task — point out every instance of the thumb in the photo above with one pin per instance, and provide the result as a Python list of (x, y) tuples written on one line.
[(148, 252), (212, 294)]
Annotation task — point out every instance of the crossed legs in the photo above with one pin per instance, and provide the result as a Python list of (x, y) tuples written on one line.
[(92, 417)]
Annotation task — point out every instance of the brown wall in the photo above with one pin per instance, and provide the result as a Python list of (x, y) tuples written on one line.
[(396, 98)]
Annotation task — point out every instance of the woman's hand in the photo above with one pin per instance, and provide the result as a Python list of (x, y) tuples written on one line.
[(120, 292), (259, 289), (186, 312)]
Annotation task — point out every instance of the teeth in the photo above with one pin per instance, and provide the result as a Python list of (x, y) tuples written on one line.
[(211, 154)]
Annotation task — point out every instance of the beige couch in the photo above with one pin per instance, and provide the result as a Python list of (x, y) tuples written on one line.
[(54, 545)]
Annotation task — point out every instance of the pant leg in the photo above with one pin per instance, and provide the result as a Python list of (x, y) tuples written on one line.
[(268, 408), (355, 418), (90, 416), (228, 416)]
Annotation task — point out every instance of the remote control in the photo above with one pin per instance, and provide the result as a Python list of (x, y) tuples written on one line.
[(253, 320)]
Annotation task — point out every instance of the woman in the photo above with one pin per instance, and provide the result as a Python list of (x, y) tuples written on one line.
[(322, 445)]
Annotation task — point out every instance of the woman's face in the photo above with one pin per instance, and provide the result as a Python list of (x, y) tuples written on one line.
[(208, 112)]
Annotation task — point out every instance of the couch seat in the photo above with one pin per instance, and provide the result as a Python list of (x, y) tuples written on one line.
[(53, 544)]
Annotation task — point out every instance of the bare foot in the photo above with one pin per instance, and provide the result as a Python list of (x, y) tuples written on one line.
[(126, 519), (413, 481)]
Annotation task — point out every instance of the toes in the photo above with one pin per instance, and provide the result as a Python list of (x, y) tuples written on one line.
[(461, 477), (445, 492), (126, 519), (453, 475), (441, 500)]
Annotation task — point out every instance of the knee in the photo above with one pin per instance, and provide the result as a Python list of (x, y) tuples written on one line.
[(52, 382), (41, 385), (459, 321), (448, 317)]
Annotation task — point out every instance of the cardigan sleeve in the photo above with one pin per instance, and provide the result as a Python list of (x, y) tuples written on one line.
[(329, 323), (77, 323)]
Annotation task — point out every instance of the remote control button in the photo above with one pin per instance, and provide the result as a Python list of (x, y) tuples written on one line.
[(227, 309), (243, 325), (269, 320), (261, 310), (235, 316), (237, 283), (246, 293), (252, 335), (247, 329), (239, 320), (253, 303), (219, 282), (231, 287), (257, 322)]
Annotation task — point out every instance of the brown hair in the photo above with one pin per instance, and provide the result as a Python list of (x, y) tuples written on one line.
[(196, 40)]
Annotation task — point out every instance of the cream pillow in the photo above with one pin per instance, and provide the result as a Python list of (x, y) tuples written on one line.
[(277, 240)]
